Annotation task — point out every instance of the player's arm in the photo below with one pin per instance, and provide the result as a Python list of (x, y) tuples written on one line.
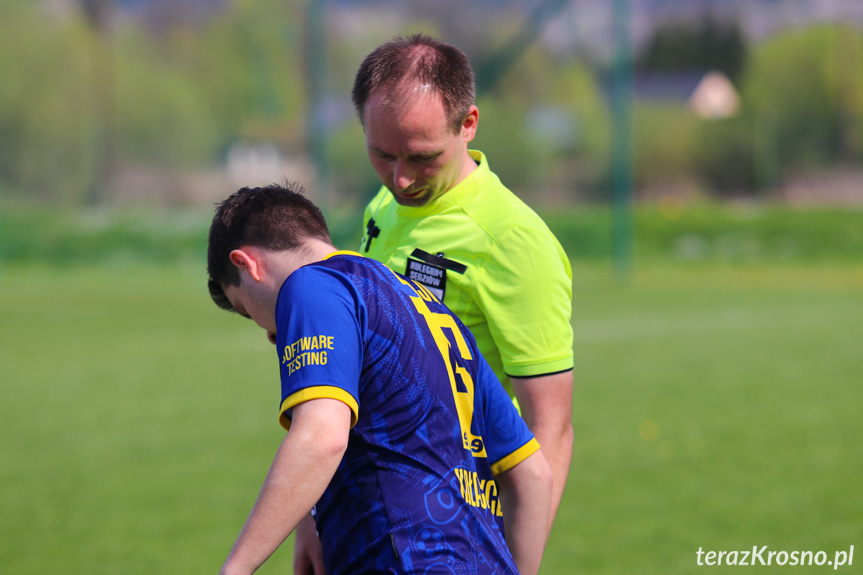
[(318, 302), (546, 406), (525, 492), (304, 464)]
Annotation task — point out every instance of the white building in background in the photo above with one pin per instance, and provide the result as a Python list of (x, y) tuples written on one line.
[(714, 97), (263, 163)]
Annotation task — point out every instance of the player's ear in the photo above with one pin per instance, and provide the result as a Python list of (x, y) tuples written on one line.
[(246, 261), (468, 126)]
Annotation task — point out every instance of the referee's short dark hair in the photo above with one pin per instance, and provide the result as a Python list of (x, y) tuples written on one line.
[(274, 217), (406, 62)]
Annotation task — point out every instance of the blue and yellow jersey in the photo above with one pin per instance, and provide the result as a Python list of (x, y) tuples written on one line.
[(415, 489)]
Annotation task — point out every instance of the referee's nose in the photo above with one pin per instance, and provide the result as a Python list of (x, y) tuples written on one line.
[(403, 176)]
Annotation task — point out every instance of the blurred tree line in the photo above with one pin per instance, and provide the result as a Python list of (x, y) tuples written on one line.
[(86, 93), (801, 96), (711, 44), (82, 98)]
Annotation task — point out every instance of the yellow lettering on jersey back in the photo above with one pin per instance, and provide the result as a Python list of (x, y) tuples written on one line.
[(437, 323), (462, 394), (480, 493)]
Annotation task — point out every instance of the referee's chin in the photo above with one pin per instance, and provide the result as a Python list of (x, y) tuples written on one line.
[(415, 199)]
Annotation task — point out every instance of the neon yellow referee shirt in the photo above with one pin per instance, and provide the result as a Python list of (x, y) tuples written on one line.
[(492, 261)]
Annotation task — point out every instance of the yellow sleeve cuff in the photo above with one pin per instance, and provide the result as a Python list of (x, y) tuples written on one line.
[(516, 457), (317, 392)]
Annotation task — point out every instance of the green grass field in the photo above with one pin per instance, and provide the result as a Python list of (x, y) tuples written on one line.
[(717, 405)]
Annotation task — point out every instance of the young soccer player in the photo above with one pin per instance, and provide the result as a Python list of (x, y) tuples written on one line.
[(401, 442)]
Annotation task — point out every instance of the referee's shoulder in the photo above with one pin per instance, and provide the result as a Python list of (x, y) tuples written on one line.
[(502, 212)]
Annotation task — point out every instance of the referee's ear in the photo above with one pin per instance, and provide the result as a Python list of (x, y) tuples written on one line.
[(470, 123), (246, 261)]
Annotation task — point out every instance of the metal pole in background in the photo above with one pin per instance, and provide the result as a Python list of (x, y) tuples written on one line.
[(317, 128), (99, 15), (621, 154), (489, 72)]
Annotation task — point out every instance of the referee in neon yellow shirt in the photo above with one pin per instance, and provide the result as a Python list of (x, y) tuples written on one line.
[(443, 218)]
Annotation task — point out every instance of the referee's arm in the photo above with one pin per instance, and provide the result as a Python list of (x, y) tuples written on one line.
[(546, 406)]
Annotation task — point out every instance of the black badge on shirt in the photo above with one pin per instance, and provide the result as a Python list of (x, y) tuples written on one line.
[(430, 271), (372, 231)]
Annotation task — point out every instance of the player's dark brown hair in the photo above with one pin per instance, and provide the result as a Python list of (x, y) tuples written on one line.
[(418, 60), (274, 217)]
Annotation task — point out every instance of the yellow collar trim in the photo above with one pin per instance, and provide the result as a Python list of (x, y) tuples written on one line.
[(343, 253)]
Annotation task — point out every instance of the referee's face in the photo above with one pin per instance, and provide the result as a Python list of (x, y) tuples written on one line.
[(414, 151)]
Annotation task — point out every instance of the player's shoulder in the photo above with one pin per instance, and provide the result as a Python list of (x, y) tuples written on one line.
[(337, 268), (356, 269), (342, 266), (341, 281)]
